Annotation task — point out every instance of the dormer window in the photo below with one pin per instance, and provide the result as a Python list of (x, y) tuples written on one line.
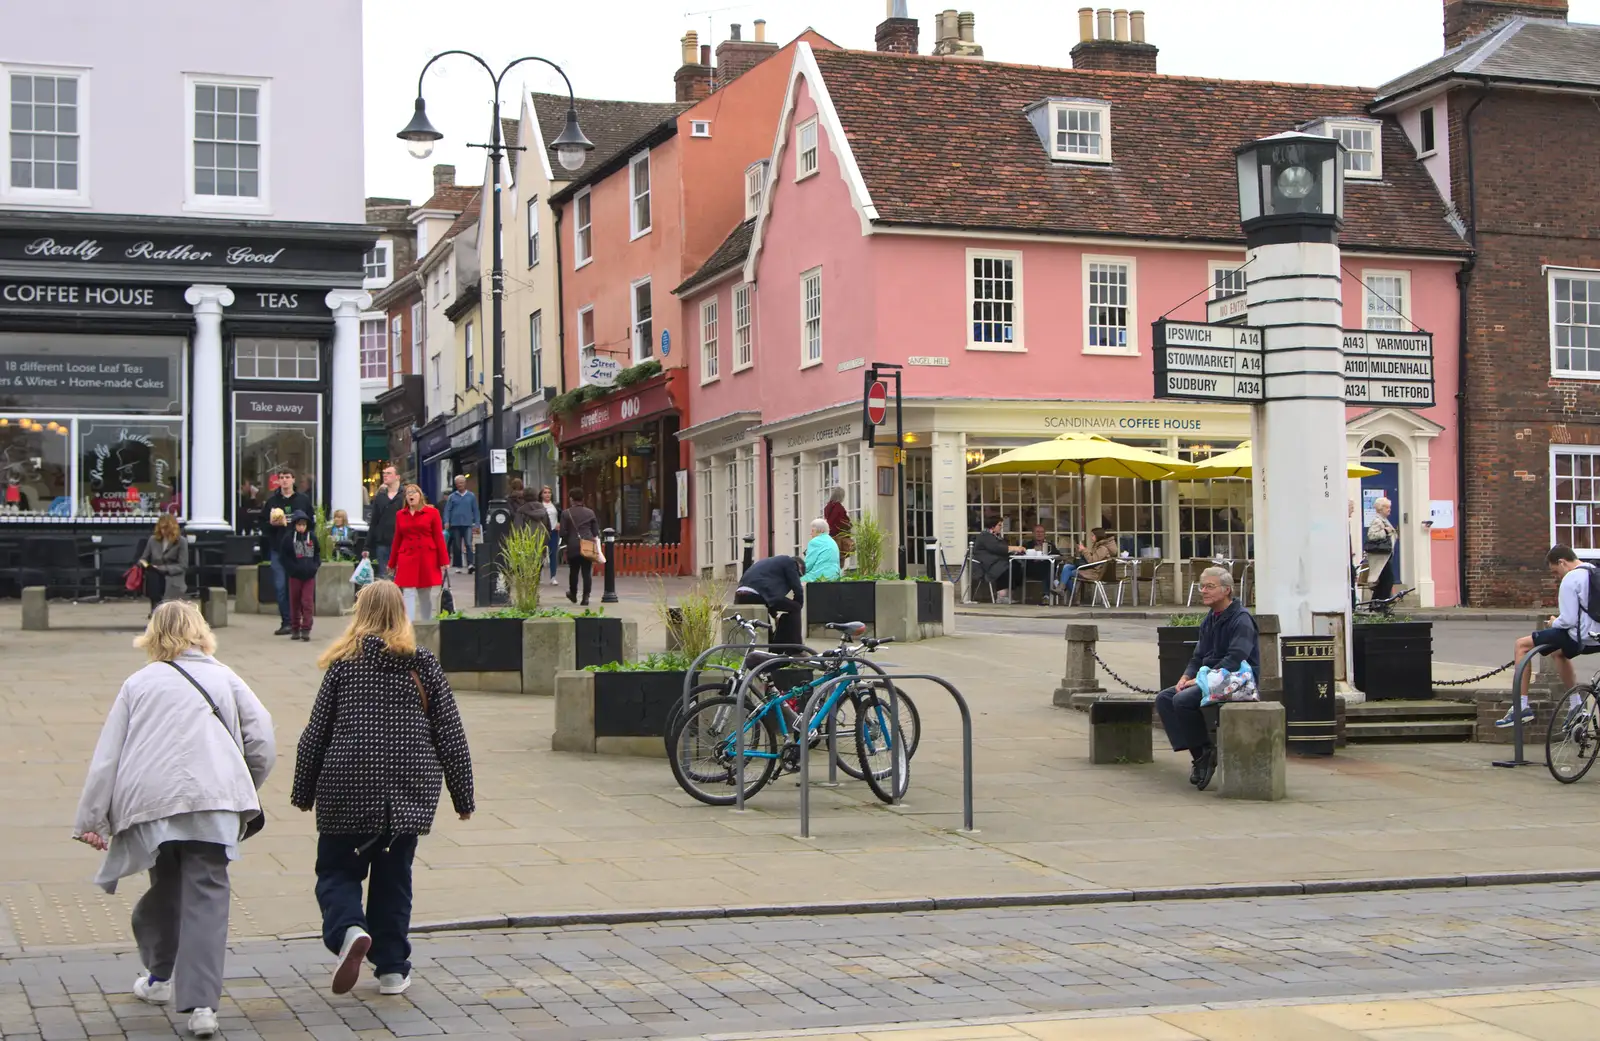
[(1363, 142), (1073, 130), (755, 185)]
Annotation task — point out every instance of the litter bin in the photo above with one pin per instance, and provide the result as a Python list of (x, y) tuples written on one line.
[(1308, 704), (489, 589)]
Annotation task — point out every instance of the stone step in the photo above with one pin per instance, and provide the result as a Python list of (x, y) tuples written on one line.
[(1409, 730), (1381, 711)]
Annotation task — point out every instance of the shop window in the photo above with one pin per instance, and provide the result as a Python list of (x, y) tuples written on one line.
[(731, 476), (828, 469), (852, 480), (1132, 510), (227, 150), (798, 506), (1023, 500), (263, 447), (268, 359), (128, 467), (374, 349), (34, 455), (1214, 517), (747, 488), (708, 525)]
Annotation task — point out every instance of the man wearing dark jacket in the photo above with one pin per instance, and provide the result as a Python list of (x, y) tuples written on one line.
[(274, 536), (387, 502), (775, 584), (1227, 638)]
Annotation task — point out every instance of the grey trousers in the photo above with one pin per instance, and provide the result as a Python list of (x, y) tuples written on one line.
[(181, 922)]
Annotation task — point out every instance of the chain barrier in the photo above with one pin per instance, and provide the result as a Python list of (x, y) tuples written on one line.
[(1113, 674), (1474, 679)]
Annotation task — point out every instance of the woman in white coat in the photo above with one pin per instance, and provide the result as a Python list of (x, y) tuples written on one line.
[(171, 789)]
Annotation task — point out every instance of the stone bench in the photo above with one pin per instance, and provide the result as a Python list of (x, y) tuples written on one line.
[(1251, 752), (1120, 731)]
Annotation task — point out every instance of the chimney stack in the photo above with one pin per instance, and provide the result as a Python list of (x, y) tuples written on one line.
[(693, 79), (444, 176), (1113, 42), (737, 56), (956, 35), (898, 32), (1466, 19)]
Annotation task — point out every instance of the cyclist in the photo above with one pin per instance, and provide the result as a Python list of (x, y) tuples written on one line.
[(1566, 633)]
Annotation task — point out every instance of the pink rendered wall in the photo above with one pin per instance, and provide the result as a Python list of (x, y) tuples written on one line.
[(731, 391)]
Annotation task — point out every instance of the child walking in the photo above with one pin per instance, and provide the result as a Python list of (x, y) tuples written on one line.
[(301, 561)]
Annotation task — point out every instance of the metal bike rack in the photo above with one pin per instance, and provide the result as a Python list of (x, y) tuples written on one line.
[(1516, 708), (738, 741), (888, 680), (774, 648)]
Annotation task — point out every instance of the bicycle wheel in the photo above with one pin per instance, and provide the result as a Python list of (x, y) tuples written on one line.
[(699, 693), (701, 751), (881, 749), (1572, 739)]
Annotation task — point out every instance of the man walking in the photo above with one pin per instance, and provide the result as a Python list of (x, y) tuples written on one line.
[(1227, 638), (386, 502), (275, 529), (460, 519)]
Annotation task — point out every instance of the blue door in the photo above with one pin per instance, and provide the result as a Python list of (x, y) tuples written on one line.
[(1384, 484)]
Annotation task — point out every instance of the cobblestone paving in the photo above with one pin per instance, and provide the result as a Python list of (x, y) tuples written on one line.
[(695, 979)]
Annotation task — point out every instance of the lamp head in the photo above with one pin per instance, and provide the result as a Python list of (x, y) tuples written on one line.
[(572, 148), (419, 134)]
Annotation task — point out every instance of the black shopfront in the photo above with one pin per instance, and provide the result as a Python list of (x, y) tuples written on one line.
[(155, 366)]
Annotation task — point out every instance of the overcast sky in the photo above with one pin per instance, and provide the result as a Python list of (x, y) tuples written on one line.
[(628, 49)]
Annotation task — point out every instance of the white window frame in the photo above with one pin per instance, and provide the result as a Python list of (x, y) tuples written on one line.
[(582, 226), (418, 337), (468, 358), (643, 347), (1131, 350), (536, 351), (755, 188), (1016, 345), (1332, 127), (635, 228), (1367, 297), (699, 128), (585, 349), (196, 203), (1579, 274), (744, 355), (804, 167), (806, 361), (730, 473), (438, 371), (46, 196), (533, 232), (313, 355), (710, 340), (1215, 267), (379, 281), (1588, 553), (1099, 108), (706, 490), (397, 346), (1432, 112)]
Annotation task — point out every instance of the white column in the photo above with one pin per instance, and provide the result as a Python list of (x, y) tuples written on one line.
[(207, 475), (1302, 566), (344, 434)]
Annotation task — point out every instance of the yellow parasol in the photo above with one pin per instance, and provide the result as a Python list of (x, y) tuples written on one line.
[(1240, 463)]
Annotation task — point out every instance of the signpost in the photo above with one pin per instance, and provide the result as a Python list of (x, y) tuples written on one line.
[(1208, 362), (1388, 368), (875, 409), (877, 403)]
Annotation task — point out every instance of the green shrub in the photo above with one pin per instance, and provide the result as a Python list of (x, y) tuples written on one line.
[(1185, 621), (523, 559), (868, 534), (695, 622)]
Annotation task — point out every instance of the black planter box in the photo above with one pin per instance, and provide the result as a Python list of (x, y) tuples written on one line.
[(841, 602), (480, 644), (599, 641), (930, 603), (1393, 660), (634, 704), (1175, 646)]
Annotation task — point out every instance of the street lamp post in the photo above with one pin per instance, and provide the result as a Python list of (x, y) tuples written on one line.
[(572, 147)]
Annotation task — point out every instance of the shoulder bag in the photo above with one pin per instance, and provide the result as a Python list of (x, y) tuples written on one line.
[(254, 825)]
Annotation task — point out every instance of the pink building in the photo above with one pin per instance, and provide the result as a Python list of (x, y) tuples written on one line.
[(1009, 234)]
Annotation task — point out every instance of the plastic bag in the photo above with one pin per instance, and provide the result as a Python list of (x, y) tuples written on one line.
[(1220, 685), (362, 575)]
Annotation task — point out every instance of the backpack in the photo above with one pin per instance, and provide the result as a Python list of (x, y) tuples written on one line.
[(1591, 602)]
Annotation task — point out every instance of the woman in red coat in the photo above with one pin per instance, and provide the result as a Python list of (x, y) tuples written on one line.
[(417, 556)]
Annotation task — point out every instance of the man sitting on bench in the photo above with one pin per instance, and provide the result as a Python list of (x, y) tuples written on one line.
[(1227, 637), (1567, 632)]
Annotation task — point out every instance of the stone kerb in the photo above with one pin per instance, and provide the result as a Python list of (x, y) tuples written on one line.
[(1251, 751), (35, 609), (1079, 677)]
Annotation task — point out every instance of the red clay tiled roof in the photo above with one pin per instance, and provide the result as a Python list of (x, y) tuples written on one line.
[(452, 198), (468, 217), (945, 142)]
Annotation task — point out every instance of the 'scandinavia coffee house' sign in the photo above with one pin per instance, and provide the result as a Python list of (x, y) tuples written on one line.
[(88, 250)]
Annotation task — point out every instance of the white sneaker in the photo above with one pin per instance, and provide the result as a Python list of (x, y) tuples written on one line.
[(393, 983), (202, 1022), (348, 971), (156, 992)]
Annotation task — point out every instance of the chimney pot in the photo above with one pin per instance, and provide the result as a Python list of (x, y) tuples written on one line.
[(1103, 24), (966, 20), (1122, 25), (691, 45), (733, 32), (761, 30), (947, 25), (444, 176), (1085, 24), (705, 54), (1136, 25)]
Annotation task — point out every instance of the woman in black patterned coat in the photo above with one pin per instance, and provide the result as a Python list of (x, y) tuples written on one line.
[(383, 732)]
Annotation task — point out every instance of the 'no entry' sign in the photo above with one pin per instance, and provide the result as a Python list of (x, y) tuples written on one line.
[(877, 403)]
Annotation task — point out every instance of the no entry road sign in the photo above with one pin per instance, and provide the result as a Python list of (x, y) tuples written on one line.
[(877, 403)]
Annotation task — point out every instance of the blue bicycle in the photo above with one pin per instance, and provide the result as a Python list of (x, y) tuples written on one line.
[(703, 743)]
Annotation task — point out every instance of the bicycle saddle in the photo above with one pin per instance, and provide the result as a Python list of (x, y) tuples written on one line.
[(755, 659), (850, 629)]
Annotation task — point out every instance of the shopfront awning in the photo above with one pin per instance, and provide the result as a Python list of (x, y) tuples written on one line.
[(543, 438), (374, 445)]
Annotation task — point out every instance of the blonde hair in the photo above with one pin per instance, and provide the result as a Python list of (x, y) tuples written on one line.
[(165, 523), (176, 626), (341, 519), (380, 612), (405, 494)]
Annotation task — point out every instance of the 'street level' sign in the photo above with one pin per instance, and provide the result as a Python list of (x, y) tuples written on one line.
[(1208, 362), (1388, 368)]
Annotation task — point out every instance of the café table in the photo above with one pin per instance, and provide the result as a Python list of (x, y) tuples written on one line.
[(1018, 591)]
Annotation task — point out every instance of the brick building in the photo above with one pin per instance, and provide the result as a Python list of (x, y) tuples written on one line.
[(1505, 122)]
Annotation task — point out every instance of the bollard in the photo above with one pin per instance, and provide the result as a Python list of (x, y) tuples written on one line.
[(214, 606), (35, 609), (1270, 682), (1080, 675), (749, 551), (608, 539), (930, 552)]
